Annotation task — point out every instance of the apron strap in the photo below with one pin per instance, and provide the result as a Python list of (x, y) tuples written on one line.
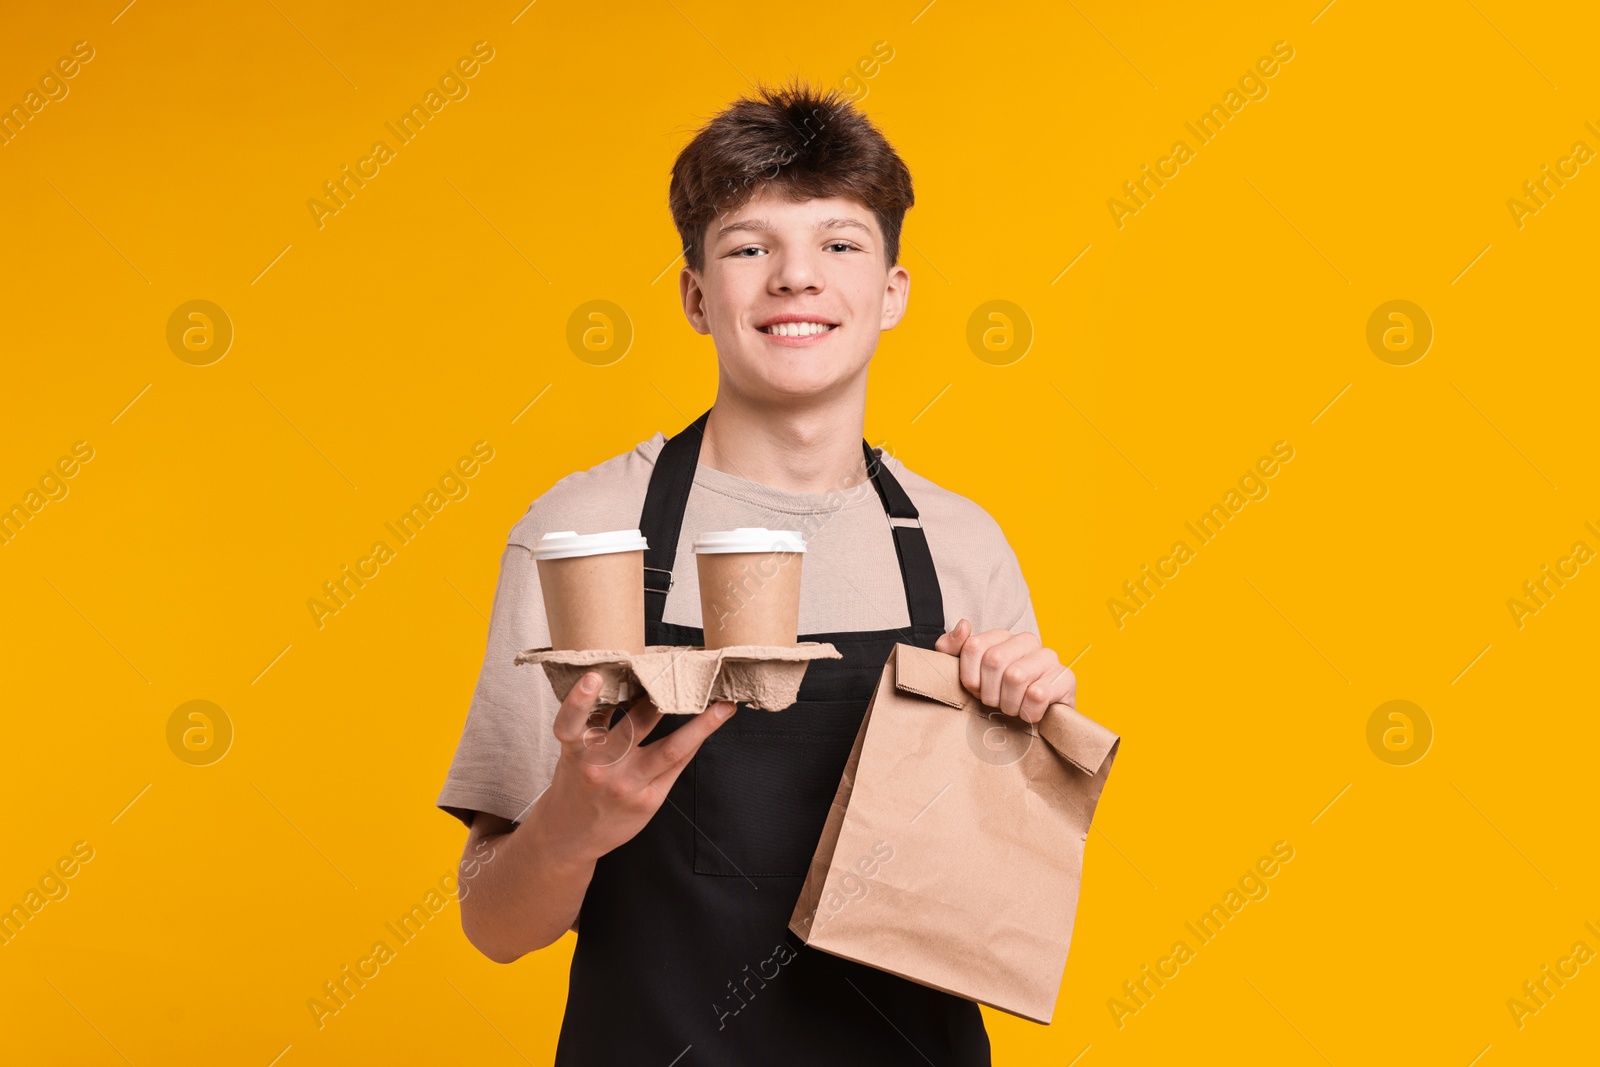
[(661, 521), (662, 518), (924, 600)]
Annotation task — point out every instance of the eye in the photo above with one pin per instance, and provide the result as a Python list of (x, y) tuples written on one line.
[(739, 253), (846, 245)]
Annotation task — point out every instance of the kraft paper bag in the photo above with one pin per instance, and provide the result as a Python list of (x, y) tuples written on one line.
[(953, 852)]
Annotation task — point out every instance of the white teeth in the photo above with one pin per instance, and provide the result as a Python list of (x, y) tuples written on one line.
[(797, 329)]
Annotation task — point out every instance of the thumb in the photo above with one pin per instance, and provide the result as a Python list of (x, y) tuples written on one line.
[(951, 643)]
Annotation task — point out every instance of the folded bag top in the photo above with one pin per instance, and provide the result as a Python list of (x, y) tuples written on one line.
[(936, 675)]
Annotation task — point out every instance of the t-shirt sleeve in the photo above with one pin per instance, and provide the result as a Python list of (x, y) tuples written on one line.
[(507, 753), (1008, 601)]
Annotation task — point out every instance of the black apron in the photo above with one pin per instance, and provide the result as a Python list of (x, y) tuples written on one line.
[(684, 956)]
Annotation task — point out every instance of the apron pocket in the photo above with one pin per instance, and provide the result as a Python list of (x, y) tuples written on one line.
[(762, 793)]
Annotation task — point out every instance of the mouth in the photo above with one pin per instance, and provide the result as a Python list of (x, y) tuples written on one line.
[(804, 328)]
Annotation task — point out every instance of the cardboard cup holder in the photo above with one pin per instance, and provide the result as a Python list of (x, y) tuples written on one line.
[(684, 679)]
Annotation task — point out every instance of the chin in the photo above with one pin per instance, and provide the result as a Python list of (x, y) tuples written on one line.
[(799, 379), (791, 389)]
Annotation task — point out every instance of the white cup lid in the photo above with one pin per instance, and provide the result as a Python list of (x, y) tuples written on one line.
[(563, 544), (749, 539)]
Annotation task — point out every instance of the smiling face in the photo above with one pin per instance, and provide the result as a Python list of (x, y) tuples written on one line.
[(795, 295)]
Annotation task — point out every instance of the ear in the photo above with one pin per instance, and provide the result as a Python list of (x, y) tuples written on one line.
[(694, 300), (896, 296)]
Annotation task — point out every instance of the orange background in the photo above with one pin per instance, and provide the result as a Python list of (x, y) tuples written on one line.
[(1229, 313)]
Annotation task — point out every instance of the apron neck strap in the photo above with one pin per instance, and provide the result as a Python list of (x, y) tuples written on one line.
[(661, 521)]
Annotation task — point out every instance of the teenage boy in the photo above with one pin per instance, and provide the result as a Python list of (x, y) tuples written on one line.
[(681, 885)]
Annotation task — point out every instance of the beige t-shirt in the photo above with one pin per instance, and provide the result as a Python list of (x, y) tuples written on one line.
[(851, 581)]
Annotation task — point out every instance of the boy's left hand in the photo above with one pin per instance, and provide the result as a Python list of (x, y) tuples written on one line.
[(1012, 672)]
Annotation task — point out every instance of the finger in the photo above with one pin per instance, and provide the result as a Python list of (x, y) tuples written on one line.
[(608, 736), (951, 642), (972, 652), (659, 786), (1026, 688), (1020, 675), (572, 718), (645, 716), (605, 747), (677, 747), (996, 658), (1058, 686)]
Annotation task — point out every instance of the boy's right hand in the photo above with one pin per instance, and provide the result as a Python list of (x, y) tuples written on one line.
[(608, 784)]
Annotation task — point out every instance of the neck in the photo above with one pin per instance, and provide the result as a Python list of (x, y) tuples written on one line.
[(799, 448)]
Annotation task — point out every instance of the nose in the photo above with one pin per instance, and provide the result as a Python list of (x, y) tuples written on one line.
[(795, 271)]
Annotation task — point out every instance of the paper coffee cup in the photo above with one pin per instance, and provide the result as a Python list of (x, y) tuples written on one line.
[(749, 586), (593, 588)]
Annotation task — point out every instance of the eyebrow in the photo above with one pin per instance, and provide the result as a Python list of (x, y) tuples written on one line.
[(763, 226)]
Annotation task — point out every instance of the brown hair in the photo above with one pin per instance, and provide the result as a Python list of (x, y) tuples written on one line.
[(800, 143)]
